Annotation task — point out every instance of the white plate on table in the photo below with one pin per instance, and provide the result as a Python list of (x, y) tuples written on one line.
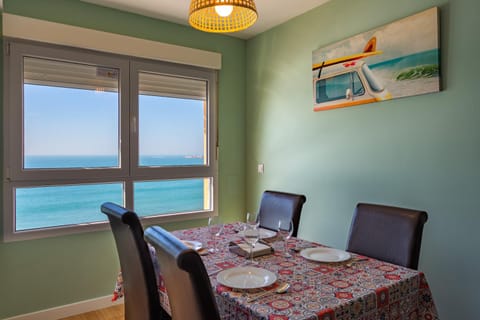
[(246, 278), (322, 254), (264, 233)]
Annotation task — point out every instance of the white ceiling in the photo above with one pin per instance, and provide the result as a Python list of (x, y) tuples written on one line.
[(270, 12)]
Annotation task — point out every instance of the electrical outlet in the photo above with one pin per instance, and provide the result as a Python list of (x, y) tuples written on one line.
[(260, 168)]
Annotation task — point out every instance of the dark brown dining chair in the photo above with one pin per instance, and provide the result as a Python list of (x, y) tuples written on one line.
[(276, 205), (142, 300), (188, 286), (387, 233)]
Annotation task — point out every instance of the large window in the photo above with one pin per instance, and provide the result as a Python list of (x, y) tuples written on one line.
[(83, 128)]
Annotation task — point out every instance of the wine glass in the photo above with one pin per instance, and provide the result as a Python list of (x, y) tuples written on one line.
[(215, 228), (285, 231), (252, 219), (251, 235)]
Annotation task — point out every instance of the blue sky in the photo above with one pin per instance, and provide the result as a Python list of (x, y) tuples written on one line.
[(64, 121)]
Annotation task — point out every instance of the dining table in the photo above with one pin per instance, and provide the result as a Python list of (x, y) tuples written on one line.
[(348, 286)]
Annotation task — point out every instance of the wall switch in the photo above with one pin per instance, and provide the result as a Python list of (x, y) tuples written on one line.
[(260, 168)]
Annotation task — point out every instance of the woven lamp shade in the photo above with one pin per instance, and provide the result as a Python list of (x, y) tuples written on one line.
[(204, 17)]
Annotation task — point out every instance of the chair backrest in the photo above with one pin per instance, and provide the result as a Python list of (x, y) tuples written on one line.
[(276, 205), (188, 286), (142, 300), (387, 233)]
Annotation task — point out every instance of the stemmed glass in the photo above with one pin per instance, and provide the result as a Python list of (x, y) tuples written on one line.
[(285, 231), (215, 228), (252, 218), (251, 235)]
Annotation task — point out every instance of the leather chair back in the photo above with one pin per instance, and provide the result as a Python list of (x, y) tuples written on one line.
[(276, 205), (139, 280), (387, 233), (186, 280)]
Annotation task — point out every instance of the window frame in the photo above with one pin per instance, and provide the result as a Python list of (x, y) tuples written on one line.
[(128, 172)]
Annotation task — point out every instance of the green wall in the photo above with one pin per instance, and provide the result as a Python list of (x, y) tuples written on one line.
[(420, 152), (41, 274)]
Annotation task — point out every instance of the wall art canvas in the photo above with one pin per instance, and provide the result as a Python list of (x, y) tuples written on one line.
[(397, 60)]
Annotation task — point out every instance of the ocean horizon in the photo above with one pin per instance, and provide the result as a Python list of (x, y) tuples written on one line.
[(104, 161)]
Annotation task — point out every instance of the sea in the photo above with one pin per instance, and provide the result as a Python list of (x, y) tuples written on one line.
[(424, 68), (53, 206)]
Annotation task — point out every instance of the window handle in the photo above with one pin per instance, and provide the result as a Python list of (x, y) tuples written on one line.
[(134, 124)]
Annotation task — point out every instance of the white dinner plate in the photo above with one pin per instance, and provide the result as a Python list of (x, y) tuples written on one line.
[(264, 233), (325, 254), (246, 278), (195, 245)]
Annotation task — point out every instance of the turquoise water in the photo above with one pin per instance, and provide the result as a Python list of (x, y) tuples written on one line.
[(43, 207), (388, 73), (419, 58)]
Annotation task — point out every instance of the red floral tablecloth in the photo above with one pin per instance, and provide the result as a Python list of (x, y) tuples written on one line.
[(367, 289)]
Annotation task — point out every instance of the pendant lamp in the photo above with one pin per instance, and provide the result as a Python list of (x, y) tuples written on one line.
[(222, 16)]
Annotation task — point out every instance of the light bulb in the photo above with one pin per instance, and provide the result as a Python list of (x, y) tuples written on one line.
[(223, 10)]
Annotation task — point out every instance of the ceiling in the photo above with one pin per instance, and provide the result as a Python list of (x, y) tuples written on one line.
[(270, 12)]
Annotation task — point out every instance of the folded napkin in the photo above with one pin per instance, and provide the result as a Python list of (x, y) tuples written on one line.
[(243, 249)]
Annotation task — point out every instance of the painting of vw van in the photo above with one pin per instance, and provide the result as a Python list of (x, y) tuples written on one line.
[(397, 60)]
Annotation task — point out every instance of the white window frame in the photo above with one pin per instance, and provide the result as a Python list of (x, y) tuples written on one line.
[(129, 172)]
